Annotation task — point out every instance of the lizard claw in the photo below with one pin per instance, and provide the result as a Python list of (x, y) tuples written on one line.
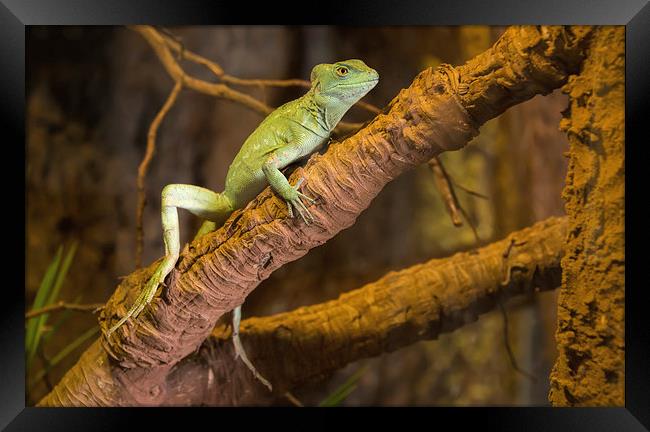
[(146, 295), (297, 203)]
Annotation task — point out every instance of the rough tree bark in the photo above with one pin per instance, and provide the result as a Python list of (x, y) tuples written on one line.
[(403, 307), (440, 111), (417, 303), (589, 370)]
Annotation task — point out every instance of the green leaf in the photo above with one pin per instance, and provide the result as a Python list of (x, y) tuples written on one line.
[(47, 294), (35, 325), (341, 393), (60, 277)]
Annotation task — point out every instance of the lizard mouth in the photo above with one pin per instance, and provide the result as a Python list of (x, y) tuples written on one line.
[(371, 81), (359, 87)]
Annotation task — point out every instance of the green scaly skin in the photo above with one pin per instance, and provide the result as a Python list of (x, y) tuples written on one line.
[(290, 133)]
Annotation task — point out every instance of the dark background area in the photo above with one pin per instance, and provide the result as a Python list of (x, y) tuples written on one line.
[(92, 93)]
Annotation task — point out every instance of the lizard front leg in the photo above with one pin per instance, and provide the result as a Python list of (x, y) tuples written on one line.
[(271, 168), (200, 201)]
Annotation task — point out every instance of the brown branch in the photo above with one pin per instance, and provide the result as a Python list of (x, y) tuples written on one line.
[(218, 271), (444, 186), (157, 42), (161, 46), (218, 71), (417, 303), (144, 167), (468, 190), (63, 305), (471, 224), (506, 344), (368, 107)]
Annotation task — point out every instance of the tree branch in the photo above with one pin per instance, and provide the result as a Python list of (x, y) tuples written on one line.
[(218, 271), (446, 190), (144, 167), (401, 308), (161, 45), (63, 305), (221, 74)]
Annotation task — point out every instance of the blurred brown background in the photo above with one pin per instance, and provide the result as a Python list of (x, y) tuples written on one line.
[(92, 93)]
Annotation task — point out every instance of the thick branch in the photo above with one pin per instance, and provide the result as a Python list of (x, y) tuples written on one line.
[(590, 365), (417, 303), (217, 272)]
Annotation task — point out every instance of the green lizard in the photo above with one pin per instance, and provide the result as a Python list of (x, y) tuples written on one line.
[(290, 133)]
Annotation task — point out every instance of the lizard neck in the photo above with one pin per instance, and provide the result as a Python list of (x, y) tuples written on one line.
[(327, 111)]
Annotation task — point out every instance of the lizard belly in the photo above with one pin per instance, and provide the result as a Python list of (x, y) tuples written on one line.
[(243, 184), (245, 179)]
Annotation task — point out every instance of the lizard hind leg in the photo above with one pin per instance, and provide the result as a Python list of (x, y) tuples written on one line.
[(197, 200), (239, 348)]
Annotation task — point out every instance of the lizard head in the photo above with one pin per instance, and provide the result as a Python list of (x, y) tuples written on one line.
[(346, 81)]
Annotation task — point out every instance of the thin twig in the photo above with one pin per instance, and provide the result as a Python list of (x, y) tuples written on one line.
[(510, 266), (506, 341), (161, 45), (294, 400), (468, 190), (445, 184), (179, 40), (63, 305), (368, 107), (472, 225), (172, 41), (144, 167), (446, 190), (161, 48)]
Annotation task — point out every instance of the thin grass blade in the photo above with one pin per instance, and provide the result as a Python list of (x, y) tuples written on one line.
[(342, 392), (34, 325)]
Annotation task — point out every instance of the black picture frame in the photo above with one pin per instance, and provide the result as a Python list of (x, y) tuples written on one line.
[(16, 15)]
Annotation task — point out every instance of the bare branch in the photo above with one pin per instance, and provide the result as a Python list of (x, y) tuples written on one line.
[(446, 190), (144, 167), (157, 42), (469, 191), (218, 71), (93, 307), (161, 45), (416, 303)]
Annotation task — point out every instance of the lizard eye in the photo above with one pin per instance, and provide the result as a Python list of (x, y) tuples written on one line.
[(342, 71)]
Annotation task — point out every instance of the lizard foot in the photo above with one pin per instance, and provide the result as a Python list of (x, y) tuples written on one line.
[(294, 201), (145, 296)]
